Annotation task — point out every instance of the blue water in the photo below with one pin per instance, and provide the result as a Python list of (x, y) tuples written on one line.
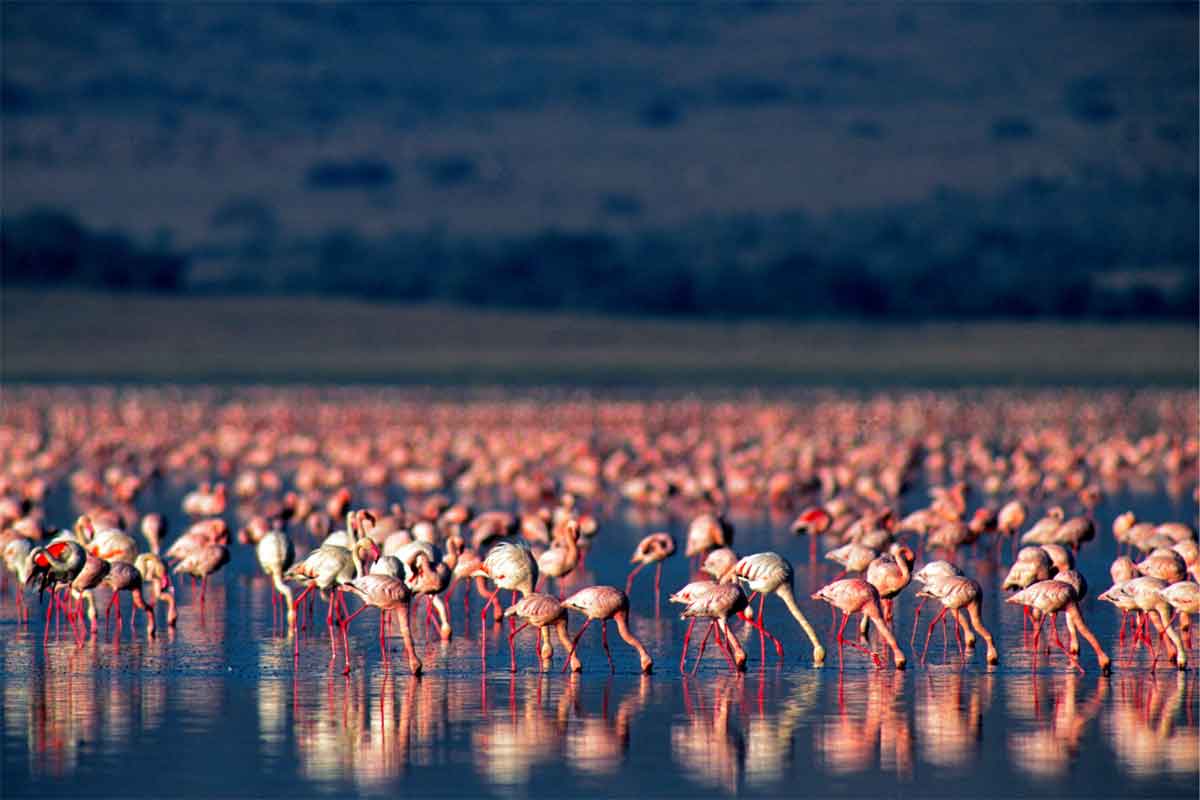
[(217, 707)]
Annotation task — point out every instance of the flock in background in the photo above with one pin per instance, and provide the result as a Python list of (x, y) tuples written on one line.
[(511, 497)]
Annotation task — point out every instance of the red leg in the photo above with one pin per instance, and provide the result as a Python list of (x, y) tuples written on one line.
[(703, 643), (686, 638), (575, 643), (929, 633), (512, 650)]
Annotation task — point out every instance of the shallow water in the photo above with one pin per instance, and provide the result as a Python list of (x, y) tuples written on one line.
[(217, 708)]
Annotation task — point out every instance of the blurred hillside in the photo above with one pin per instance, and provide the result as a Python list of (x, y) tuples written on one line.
[(964, 161)]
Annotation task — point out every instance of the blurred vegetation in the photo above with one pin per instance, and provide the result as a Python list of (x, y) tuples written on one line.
[(52, 247), (1099, 247)]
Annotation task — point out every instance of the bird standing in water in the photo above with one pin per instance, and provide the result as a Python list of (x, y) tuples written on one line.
[(718, 602), (653, 549), (605, 603), (770, 573), (542, 611), (856, 596)]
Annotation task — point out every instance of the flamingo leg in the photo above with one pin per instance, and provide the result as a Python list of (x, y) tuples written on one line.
[(604, 641), (1059, 643), (633, 573), (703, 643), (512, 649), (852, 642), (344, 624), (723, 643), (687, 637), (929, 633), (762, 627), (912, 640), (575, 643)]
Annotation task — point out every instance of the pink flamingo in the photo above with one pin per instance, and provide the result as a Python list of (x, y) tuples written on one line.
[(387, 594), (1051, 597), (719, 602), (542, 611), (856, 596), (605, 603), (653, 549)]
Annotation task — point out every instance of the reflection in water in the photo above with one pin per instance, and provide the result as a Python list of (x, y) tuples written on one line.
[(707, 748), (1145, 727), (871, 730), (725, 732), (949, 716), (1046, 748)]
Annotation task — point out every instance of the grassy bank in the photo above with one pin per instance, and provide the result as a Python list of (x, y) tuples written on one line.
[(83, 336)]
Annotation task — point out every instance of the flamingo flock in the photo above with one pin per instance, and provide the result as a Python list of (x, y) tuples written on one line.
[(503, 498)]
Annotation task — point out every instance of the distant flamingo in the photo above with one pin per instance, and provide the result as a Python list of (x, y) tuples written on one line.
[(561, 558), (203, 563), (275, 554), (653, 549), (708, 532), (155, 575), (812, 522)]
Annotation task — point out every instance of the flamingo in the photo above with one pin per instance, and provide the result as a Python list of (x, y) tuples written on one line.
[(718, 562), (430, 579), (708, 532), (124, 577), (853, 557), (1044, 529), (856, 596), (1166, 565), (154, 530), (207, 501), (16, 560), (1146, 594), (563, 555), (201, 563), (719, 602), (508, 566), (328, 567), (771, 573), (955, 593), (927, 573), (542, 611), (812, 522), (276, 553), (890, 573), (605, 603), (1184, 597), (111, 544), (155, 575), (93, 573), (55, 566), (387, 594), (653, 549), (1051, 597)]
